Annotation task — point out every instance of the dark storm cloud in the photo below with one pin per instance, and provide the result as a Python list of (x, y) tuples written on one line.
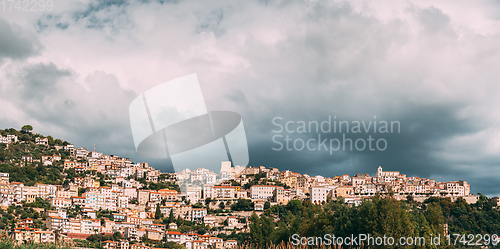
[(94, 113), (412, 151), (15, 42), (40, 81)]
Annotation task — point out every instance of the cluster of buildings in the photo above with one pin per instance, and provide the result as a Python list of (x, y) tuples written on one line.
[(200, 185), (132, 208)]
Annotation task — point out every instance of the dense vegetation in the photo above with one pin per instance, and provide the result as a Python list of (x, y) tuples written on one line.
[(243, 205), (260, 179), (9, 244), (378, 217), (31, 174), (36, 172)]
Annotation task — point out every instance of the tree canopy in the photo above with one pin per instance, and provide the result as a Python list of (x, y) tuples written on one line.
[(26, 128), (382, 216)]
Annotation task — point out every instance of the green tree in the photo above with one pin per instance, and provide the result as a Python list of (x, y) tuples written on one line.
[(51, 140), (261, 229), (197, 205), (207, 201), (267, 205), (117, 236), (158, 214), (222, 205), (58, 142), (171, 217), (26, 128), (294, 206)]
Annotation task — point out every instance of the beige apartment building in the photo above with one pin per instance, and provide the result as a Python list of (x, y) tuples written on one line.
[(290, 181), (142, 196)]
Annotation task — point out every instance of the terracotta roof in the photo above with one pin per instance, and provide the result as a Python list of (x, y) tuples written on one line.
[(167, 190), (77, 235)]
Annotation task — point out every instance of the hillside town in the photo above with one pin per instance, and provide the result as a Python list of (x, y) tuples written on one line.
[(137, 205)]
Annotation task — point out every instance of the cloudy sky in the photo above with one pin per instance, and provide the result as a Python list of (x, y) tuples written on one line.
[(433, 66)]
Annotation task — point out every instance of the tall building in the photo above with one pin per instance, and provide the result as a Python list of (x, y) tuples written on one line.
[(142, 196), (226, 167)]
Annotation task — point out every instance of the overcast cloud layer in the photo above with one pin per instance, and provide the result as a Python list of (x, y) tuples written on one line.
[(434, 67)]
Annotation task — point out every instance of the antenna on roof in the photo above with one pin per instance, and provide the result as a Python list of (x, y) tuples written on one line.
[(95, 147)]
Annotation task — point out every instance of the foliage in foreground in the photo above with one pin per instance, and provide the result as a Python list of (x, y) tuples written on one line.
[(9, 244), (378, 217)]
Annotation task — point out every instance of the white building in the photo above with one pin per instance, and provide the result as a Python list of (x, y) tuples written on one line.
[(261, 192), (42, 141), (318, 194), (387, 176), (8, 139)]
